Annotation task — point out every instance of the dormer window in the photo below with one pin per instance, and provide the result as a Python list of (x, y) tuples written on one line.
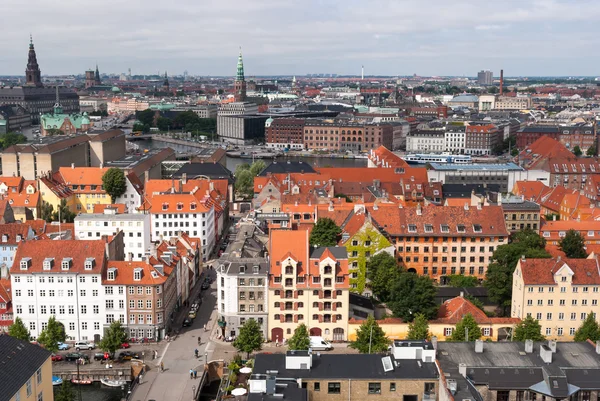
[(428, 228), (179, 206), (48, 262), (412, 228), (111, 274), (25, 263), (154, 274), (477, 228), (165, 206), (193, 206), (66, 263), (4, 238), (460, 228), (242, 269), (137, 274), (89, 263), (255, 269), (19, 237)]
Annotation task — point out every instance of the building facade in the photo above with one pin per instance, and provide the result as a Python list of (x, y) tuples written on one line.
[(285, 133)]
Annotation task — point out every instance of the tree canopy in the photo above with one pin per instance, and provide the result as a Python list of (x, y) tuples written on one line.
[(370, 337), (528, 329), (250, 338), (573, 245), (63, 213), (382, 271), (589, 329), (114, 182), (113, 338), (459, 280), (466, 324), (411, 294), (65, 393), (577, 151), (18, 330), (300, 341), (244, 177), (498, 278), (52, 335), (324, 233), (257, 167), (591, 151), (11, 138), (418, 329)]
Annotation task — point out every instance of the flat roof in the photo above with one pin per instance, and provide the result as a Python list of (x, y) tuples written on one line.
[(110, 216), (476, 167)]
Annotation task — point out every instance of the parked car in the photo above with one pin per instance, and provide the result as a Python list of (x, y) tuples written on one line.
[(73, 356), (84, 345), (192, 314), (195, 307), (102, 356), (125, 345), (127, 355), (186, 322), (63, 346), (56, 358)]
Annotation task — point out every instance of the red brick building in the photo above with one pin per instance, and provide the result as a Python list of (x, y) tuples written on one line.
[(583, 136), (482, 139), (344, 136), (285, 133)]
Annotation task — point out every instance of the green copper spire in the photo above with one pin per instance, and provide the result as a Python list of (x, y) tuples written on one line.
[(240, 68)]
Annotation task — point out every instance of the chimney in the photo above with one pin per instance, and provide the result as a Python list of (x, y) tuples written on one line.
[(462, 294), (545, 353), (434, 342), (501, 82), (529, 346), (419, 210), (73, 165), (146, 176), (184, 178), (552, 345), (462, 369), (478, 346), (466, 206), (330, 208)]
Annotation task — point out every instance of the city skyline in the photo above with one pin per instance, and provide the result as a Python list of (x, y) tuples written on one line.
[(530, 38)]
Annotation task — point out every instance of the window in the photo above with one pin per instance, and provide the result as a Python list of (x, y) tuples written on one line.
[(317, 386), (548, 331), (487, 331), (333, 388), (28, 384), (374, 388), (392, 386), (448, 331), (38, 375)]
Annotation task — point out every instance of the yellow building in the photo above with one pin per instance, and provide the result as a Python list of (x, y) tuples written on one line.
[(558, 292), (53, 192), (22, 195), (86, 185), (27, 370), (449, 314)]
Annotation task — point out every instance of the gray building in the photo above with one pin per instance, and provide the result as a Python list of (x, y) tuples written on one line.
[(203, 110), (485, 77), (241, 129), (242, 281), (13, 118)]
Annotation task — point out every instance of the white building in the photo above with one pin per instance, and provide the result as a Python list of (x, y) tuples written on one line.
[(454, 140), (62, 279), (136, 229), (11, 234), (132, 197), (426, 142)]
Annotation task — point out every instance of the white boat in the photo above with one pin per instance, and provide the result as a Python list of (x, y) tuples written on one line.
[(113, 383), (437, 158)]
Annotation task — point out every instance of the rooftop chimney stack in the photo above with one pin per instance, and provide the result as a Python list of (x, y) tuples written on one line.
[(501, 82)]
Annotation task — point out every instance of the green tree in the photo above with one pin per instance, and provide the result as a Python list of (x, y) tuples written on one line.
[(140, 127), (300, 341), (114, 182), (257, 167), (418, 329), (250, 338), (18, 330), (146, 117), (577, 151), (114, 336), (573, 245), (552, 216), (474, 301), (589, 329), (370, 337), (64, 213), (52, 335), (528, 329), (348, 199), (411, 294), (382, 271), (46, 211), (163, 123), (11, 138), (458, 280), (65, 393), (498, 278), (54, 132), (493, 89), (591, 151), (244, 183), (467, 323), (324, 233)]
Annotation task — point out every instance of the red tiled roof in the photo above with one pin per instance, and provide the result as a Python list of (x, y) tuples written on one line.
[(78, 251), (383, 157), (82, 175), (531, 190), (5, 294), (542, 271), (55, 227), (364, 174), (12, 230), (125, 273), (177, 203), (553, 199), (37, 225), (3, 206), (98, 208), (283, 243), (453, 310)]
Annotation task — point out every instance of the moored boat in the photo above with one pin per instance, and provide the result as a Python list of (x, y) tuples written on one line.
[(113, 383)]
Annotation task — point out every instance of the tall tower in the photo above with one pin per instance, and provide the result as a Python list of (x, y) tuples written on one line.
[(166, 82), (97, 77), (57, 107), (240, 81), (33, 73), (89, 78)]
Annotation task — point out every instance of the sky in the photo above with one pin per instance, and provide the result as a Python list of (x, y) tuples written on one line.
[(297, 37)]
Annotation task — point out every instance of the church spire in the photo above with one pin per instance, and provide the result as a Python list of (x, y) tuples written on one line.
[(166, 81), (57, 107), (33, 74), (97, 76), (240, 82), (240, 68)]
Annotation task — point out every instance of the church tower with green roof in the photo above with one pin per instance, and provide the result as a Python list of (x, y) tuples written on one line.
[(240, 81)]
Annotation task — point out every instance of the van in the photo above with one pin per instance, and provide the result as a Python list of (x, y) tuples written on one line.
[(318, 344)]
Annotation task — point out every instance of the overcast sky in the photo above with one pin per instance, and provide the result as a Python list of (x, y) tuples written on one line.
[(388, 37)]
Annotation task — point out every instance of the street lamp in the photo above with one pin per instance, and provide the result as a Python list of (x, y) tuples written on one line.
[(193, 392), (206, 358)]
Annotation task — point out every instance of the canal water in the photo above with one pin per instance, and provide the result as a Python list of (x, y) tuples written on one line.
[(95, 392), (231, 162)]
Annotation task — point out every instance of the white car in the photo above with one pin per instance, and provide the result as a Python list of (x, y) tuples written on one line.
[(84, 345)]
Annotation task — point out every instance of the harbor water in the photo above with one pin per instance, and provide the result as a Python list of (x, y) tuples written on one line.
[(95, 392)]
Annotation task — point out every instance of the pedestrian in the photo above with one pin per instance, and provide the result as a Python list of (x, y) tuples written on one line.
[(162, 367), (195, 374), (141, 377), (191, 373), (155, 354)]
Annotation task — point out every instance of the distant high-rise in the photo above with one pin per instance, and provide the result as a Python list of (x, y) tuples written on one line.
[(33, 73), (485, 77), (240, 81)]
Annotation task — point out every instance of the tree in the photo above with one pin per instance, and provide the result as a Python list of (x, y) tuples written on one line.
[(591, 151), (411, 294), (12, 138), (467, 323), (528, 329), (114, 182), (589, 329), (52, 335), (18, 330), (163, 123), (458, 280), (63, 213), (65, 393), (46, 211), (573, 245), (325, 233), (54, 132), (418, 329), (140, 127), (475, 301), (113, 338), (146, 117), (577, 151), (250, 338), (370, 338), (257, 167), (382, 271), (300, 341), (498, 278), (244, 183)]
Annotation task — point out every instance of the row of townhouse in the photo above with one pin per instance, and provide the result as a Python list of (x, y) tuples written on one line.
[(87, 285)]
